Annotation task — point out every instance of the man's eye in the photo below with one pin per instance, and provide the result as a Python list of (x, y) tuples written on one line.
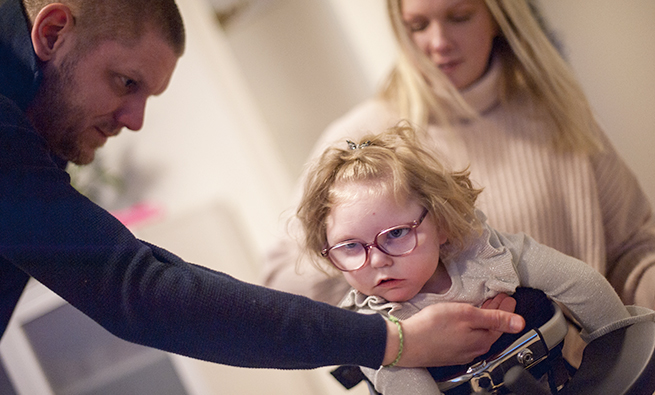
[(128, 83)]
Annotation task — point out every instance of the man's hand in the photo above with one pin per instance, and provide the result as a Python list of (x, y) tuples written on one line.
[(451, 333)]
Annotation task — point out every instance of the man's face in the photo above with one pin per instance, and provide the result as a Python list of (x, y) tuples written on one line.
[(86, 99)]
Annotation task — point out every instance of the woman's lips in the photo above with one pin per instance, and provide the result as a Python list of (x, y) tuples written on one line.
[(449, 67)]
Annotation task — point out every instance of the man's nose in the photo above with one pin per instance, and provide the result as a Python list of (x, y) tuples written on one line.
[(131, 114)]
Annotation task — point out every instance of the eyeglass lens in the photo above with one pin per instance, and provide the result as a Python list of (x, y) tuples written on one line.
[(395, 241)]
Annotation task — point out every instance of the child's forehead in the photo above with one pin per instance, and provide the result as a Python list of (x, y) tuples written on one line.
[(347, 192)]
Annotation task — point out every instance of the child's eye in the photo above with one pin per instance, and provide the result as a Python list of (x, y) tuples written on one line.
[(350, 246), (398, 233)]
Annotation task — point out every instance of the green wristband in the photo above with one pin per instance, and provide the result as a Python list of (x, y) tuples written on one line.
[(400, 347)]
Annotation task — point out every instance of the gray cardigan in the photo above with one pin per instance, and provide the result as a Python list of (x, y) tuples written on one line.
[(498, 263)]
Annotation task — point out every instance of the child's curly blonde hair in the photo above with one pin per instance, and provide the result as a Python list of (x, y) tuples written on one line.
[(394, 161)]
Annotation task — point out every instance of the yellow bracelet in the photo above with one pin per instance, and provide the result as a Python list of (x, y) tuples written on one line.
[(400, 348)]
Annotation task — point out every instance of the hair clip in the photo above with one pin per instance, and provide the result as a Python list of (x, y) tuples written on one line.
[(352, 145)]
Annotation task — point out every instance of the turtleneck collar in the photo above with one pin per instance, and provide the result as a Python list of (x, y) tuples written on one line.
[(484, 93), (19, 71)]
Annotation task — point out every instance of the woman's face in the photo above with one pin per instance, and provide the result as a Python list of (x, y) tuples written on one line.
[(457, 35)]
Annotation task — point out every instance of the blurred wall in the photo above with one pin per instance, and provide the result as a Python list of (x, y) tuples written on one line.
[(301, 68), (610, 45)]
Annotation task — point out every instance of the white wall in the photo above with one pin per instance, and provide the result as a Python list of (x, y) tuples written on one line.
[(303, 72)]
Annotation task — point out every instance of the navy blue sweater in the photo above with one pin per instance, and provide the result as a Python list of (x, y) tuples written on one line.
[(140, 292)]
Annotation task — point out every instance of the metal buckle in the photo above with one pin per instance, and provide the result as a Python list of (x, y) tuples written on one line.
[(527, 351)]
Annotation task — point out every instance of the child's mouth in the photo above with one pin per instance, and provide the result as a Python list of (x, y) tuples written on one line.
[(387, 282)]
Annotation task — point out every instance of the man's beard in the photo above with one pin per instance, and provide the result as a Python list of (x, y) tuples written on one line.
[(55, 117)]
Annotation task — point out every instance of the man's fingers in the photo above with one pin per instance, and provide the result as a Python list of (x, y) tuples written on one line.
[(451, 333)]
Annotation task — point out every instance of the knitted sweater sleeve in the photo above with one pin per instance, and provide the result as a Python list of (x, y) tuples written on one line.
[(629, 228), (584, 291), (147, 295)]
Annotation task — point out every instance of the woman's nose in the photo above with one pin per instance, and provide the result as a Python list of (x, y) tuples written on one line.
[(439, 39)]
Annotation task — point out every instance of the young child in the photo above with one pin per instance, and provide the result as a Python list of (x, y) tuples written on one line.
[(404, 231)]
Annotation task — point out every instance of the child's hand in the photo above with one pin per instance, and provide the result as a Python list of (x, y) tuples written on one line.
[(500, 302), (451, 333)]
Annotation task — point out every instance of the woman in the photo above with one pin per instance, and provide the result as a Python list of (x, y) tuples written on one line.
[(489, 90)]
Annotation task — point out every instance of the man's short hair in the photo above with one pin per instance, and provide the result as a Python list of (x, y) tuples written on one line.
[(122, 20)]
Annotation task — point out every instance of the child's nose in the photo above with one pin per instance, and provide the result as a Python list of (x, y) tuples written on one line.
[(378, 258)]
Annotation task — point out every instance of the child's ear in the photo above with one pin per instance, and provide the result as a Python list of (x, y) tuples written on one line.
[(442, 238), (51, 28)]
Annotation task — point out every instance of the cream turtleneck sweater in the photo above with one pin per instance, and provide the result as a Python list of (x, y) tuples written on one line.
[(591, 208)]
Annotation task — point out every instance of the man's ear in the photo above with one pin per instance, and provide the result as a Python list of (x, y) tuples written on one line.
[(51, 29)]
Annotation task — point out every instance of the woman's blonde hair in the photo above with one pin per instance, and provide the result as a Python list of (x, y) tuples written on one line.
[(531, 64), (392, 161)]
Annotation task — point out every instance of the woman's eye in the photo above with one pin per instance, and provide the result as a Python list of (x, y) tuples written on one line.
[(416, 26), (459, 17)]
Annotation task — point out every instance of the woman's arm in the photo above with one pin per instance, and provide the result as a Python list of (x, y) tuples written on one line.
[(629, 228)]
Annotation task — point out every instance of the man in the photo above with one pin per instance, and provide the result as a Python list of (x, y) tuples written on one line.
[(73, 74)]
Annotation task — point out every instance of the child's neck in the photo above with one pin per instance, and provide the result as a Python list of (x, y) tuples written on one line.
[(439, 283)]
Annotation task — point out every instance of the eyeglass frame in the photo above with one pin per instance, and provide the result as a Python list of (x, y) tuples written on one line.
[(325, 253)]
